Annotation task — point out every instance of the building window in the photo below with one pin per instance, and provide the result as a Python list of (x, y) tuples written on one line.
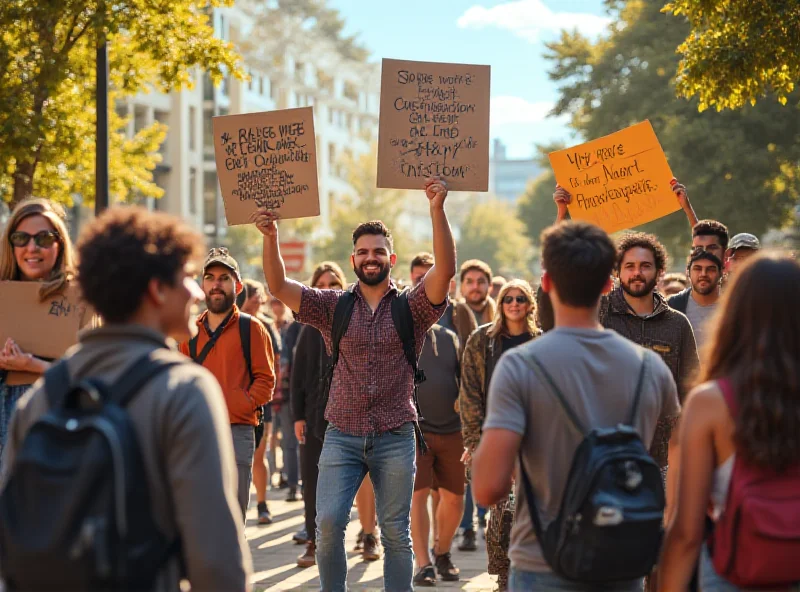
[(208, 87), (122, 110), (160, 178), (332, 157), (162, 117), (139, 118), (210, 198), (330, 116), (192, 128), (261, 85), (208, 134), (193, 191)]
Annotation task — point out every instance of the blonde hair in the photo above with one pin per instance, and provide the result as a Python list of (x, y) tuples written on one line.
[(64, 269), (499, 323)]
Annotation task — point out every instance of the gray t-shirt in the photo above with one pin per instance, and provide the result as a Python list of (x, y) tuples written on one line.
[(698, 316), (597, 371)]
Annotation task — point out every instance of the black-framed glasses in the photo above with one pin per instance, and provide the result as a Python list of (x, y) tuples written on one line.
[(519, 299), (43, 239)]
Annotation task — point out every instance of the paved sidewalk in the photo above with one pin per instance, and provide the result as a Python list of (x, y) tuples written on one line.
[(274, 555)]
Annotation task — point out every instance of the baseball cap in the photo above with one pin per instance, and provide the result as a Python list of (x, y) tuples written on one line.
[(744, 240), (221, 256)]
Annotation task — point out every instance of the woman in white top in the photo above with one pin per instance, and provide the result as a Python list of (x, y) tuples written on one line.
[(753, 350)]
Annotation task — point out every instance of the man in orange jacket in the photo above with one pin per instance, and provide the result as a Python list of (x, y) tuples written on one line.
[(237, 350)]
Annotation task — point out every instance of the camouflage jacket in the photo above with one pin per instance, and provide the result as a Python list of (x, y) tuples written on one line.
[(480, 359)]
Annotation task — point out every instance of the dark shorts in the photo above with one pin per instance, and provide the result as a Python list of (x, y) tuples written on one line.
[(442, 465)]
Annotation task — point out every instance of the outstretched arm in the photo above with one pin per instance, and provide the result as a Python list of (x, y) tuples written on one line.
[(284, 289), (437, 280), (683, 199)]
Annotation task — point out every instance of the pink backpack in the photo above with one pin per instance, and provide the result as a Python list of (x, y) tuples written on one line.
[(756, 541)]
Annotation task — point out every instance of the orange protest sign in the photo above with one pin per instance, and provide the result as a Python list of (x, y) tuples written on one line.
[(618, 181), (267, 160)]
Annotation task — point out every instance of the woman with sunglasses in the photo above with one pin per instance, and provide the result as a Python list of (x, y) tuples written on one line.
[(35, 248), (514, 324)]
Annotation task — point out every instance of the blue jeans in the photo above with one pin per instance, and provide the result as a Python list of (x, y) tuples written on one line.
[(9, 395), (390, 459), (525, 581), (289, 446), (468, 520)]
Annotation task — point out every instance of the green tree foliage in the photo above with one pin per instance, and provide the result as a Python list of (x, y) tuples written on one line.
[(738, 51), (535, 207), (740, 166), (47, 85), (493, 233)]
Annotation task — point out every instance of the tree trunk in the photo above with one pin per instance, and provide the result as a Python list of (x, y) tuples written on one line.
[(23, 182)]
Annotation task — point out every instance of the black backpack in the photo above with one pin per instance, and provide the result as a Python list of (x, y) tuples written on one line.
[(403, 324), (75, 513), (609, 526)]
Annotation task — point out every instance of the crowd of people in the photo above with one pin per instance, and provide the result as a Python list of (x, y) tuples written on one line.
[(616, 427)]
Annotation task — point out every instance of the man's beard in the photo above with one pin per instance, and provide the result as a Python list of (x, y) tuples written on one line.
[(219, 307), (704, 290), (373, 280), (476, 298), (643, 291)]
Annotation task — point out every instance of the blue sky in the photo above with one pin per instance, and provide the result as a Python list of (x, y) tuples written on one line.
[(507, 35)]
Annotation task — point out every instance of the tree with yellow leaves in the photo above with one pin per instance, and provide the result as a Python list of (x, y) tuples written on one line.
[(47, 87)]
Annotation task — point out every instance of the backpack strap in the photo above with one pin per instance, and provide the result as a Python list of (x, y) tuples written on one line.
[(538, 368), (212, 340), (404, 325), (341, 320), (56, 384), (245, 327), (639, 385)]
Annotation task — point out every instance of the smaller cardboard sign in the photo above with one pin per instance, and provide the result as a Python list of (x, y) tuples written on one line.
[(267, 160), (618, 181), (434, 120), (45, 329)]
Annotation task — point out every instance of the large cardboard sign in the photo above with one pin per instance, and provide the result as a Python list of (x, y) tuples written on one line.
[(46, 329), (434, 120), (618, 181), (267, 160)]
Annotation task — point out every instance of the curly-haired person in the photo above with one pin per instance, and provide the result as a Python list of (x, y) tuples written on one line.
[(136, 270)]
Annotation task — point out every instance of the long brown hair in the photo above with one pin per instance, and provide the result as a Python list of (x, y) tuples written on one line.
[(64, 268), (755, 343), (499, 323), (328, 266)]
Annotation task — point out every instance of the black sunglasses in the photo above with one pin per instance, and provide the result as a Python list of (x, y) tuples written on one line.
[(43, 239), (519, 299)]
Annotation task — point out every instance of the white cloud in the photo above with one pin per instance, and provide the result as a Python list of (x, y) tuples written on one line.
[(517, 110), (529, 18)]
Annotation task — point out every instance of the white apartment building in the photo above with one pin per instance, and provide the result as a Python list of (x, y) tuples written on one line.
[(344, 95)]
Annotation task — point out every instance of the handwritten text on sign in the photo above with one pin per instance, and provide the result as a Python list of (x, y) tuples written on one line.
[(267, 160), (618, 181), (434, 120)]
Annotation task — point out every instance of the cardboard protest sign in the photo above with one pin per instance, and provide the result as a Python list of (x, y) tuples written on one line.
[(267, 160), (45, 329), (618, 181), (434, 120)]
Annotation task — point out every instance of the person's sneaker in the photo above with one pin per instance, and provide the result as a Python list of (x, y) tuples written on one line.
[(426, 576), (359, 541), (468, 541), (447, 571), (371, 551), (293, 496), (301, 537), (309, 558), (283, 483), (264, 517)]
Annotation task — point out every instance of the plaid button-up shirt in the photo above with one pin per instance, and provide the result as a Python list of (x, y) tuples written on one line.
[(372, 386)]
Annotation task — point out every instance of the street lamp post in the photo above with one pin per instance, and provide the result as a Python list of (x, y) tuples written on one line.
[(101, 101)]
